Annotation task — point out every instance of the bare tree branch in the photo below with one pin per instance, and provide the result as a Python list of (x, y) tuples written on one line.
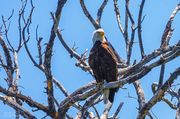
[(148, 58), (73, 53), (39, 40), (88, 15), (126, 24), (100, 11), (7, 28), (25, 40), (48, 57), (64, 106), (16, 106), (178, 106), (168, 30), (161, 77), (85, 98), (130, 43), (9, 63), (139, 29), (89, 103), (158, 95), (24, 98), (118, 110), (169, 103), (117, 11), (140, 94)]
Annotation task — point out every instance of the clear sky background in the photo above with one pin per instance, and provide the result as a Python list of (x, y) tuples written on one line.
[(77, 29)]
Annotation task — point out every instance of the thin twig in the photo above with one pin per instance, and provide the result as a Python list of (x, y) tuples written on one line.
[(140, 30), (126, 24), (118, 110), (117, 11), (96, 111), (161, 75), (39, 39), (130, 43), (168, 30), (25, 40), (169, 103), (140, 94), (7, 29)]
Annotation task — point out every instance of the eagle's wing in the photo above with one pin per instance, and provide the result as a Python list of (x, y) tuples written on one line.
[(103, 62), (119, 59), (110, 50)]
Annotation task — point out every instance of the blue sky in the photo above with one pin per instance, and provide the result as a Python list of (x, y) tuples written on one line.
[(77, 29)]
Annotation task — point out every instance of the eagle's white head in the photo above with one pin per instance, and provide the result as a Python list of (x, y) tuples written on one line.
[(98, 35)]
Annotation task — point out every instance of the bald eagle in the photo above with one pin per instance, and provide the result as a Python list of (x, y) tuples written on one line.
[(103, 60)]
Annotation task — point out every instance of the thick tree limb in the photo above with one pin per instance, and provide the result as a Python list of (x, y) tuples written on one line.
[(74, 97), (6, 53), (77, 96), (9, 64), (48, 56), (61, 87), (149, 58)]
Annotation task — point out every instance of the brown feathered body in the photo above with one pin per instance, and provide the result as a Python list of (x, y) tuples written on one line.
[(103, 62)]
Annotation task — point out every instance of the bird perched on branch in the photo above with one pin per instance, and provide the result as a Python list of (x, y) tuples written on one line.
[(103, 60)]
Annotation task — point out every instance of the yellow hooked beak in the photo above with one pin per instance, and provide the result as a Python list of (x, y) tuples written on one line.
[(102, 34)]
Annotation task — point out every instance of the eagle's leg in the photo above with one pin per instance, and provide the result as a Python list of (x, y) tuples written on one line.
[(99, 84), (106, 95)]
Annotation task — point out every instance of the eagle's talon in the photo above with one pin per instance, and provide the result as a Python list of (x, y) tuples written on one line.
[(99, 84)]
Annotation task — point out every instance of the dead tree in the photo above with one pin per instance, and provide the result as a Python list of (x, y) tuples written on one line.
[(89, 95)]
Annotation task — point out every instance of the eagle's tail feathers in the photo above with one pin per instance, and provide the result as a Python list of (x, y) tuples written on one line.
[(111, 94)]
